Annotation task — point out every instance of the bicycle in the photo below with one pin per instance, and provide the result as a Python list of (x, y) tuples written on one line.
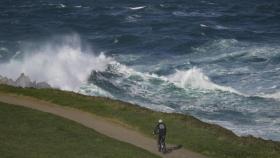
[(162, 147)]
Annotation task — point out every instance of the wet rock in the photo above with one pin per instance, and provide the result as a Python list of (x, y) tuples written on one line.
[(40, 85), (24, 82), (7, 81)]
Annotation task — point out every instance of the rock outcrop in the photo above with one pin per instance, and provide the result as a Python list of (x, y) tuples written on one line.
[(24, 82), (40, 85), (7, 81)]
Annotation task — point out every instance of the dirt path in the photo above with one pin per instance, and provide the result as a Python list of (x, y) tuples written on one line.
[(97, 123)]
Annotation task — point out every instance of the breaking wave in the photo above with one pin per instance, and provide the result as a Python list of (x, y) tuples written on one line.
[(67, 66), (196, 79), (275, 96), (64, 65)]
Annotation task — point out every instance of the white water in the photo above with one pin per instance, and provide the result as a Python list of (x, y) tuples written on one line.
[(65, 66), (137, 8), (192, 78), (195, 78), (275, 96), (91, 89)]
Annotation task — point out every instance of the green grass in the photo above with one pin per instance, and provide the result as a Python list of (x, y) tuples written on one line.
[(26, 133), (210, 140)]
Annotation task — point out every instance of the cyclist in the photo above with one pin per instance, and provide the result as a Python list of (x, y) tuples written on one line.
[(160, 130)]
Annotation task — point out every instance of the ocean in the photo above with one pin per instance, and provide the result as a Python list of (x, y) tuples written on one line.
[(218, 61)]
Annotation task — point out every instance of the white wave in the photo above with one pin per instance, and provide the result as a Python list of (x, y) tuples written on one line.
[(275, 96), (195, 78), (127, 72), (156, 107), (161, 108), (61, 5), (137, 8), (225, 48), (91, 89), (268, 131), (65, 66), (203, 25)]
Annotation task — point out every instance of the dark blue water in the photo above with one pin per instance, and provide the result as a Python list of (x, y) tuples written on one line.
[(216, 60)]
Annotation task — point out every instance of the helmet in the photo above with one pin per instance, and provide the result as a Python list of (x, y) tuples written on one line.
[(160, 121)]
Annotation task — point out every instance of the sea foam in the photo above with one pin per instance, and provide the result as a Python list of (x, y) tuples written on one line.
[(195, 78), (275, 96), (64, 65)]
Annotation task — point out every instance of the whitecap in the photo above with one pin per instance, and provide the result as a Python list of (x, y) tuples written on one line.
[(65, 66), (203, 25), (192, 78), (267, 131), (156, 107), (195, 78), (61, 5), (93, 90), (275, 96), (137, 8)]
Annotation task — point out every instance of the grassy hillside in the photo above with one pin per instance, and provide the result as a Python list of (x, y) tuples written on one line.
[(26, 133), (210, 140)]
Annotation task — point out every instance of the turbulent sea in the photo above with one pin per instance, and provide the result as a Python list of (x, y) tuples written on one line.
[(216, 60)]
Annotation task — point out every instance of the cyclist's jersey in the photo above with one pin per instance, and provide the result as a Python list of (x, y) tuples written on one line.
[(160, 129)]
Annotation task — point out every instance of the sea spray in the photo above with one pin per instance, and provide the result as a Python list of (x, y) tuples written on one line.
[(194, 78), (63, 66)]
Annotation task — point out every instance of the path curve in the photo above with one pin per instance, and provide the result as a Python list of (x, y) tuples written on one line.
[(99, 124)]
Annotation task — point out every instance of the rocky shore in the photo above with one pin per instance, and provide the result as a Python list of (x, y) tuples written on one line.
[(24, 82)]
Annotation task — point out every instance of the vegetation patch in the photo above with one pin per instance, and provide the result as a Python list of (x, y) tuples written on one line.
[(27, 133), (211, 140)]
